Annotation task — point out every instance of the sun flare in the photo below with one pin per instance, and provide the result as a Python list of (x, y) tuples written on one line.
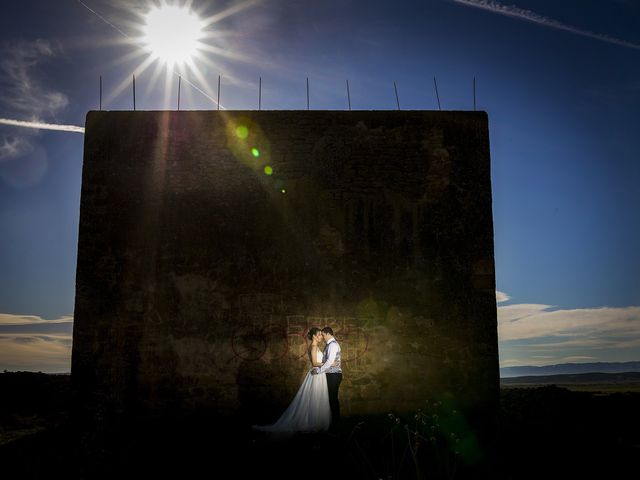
[(172, 34), (175, 38)]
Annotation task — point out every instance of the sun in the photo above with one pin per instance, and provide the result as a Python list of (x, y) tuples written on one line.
[(172, 34)]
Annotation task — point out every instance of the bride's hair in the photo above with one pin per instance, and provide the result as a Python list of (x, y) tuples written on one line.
[(312, 332)]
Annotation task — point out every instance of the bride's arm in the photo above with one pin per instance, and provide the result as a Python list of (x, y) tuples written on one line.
[(333, 351)]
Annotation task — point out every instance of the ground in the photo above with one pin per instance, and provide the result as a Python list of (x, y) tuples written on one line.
[(546, 432)]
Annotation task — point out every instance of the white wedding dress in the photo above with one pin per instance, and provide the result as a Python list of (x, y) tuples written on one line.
[(309, 411)]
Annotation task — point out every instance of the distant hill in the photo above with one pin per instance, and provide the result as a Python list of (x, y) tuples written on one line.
[(570, 368)]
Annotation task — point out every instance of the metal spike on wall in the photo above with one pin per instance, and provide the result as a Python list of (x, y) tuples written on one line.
[(474, 94), (348, 87), (397, 99)]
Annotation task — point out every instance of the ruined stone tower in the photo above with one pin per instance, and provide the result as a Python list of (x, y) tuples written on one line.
[(210, 242)]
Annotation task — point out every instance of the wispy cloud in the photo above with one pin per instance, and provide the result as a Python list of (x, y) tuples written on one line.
[(518, 322), (32, 343), (26, 100), (23, 94), (42, 125), (538, 334), (35, 353), (12, 319), (502, 297), (12, 147), (529, 16)]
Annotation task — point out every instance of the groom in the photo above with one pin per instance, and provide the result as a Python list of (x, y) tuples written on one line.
[(332, 366)]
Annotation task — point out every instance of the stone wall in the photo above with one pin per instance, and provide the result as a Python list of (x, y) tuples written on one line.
[(211, 241)]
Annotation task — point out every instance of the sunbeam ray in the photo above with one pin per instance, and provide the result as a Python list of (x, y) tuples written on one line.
[(225, 53), (154, 78), (168, 84), (127, 81), (229, 11), (193, 68), (138, 40)]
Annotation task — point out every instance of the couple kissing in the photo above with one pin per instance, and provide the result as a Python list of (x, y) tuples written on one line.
[(315, 407)]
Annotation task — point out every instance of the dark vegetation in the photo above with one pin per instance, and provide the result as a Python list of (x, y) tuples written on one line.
[(546, 432), (609, 382)]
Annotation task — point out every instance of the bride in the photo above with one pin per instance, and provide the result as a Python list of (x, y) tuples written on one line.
[(309, 411)]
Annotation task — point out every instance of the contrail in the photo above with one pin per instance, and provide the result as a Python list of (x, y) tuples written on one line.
[(102, 18), (529, 16), (41, 125)]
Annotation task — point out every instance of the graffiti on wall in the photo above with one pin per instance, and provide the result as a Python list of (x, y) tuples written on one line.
[(263, 338)]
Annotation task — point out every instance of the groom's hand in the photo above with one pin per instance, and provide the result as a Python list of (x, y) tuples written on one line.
[(315, 370)]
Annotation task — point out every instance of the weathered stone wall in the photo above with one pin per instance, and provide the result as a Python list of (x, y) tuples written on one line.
[(200, 270)]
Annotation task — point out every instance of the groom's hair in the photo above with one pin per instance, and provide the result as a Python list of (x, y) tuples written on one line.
[(328, 330)]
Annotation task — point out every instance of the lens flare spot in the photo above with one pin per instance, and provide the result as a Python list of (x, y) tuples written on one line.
[(255, 152), (283, 191), (242, 132), (268, 170)]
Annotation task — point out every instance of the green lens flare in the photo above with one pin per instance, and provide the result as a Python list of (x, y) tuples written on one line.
[(255, 152), (268, 170), (283, 191), (242, 132)]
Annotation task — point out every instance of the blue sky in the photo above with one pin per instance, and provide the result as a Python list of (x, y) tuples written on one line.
[(559, 80)]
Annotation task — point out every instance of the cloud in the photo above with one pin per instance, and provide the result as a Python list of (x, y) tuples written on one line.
[(34, 353), (12, 147), (539, 334), (41, 125), (579, 358), (606, 324), (529, 16), (32, 343), (519, 311), (32, 325), (23, 94), (12, 319), (502, 297)]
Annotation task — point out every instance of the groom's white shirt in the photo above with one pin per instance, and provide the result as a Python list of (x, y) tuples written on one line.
[(333, 350)]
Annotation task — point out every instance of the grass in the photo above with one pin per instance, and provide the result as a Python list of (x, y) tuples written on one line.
[(596, 388), (545, 432)]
